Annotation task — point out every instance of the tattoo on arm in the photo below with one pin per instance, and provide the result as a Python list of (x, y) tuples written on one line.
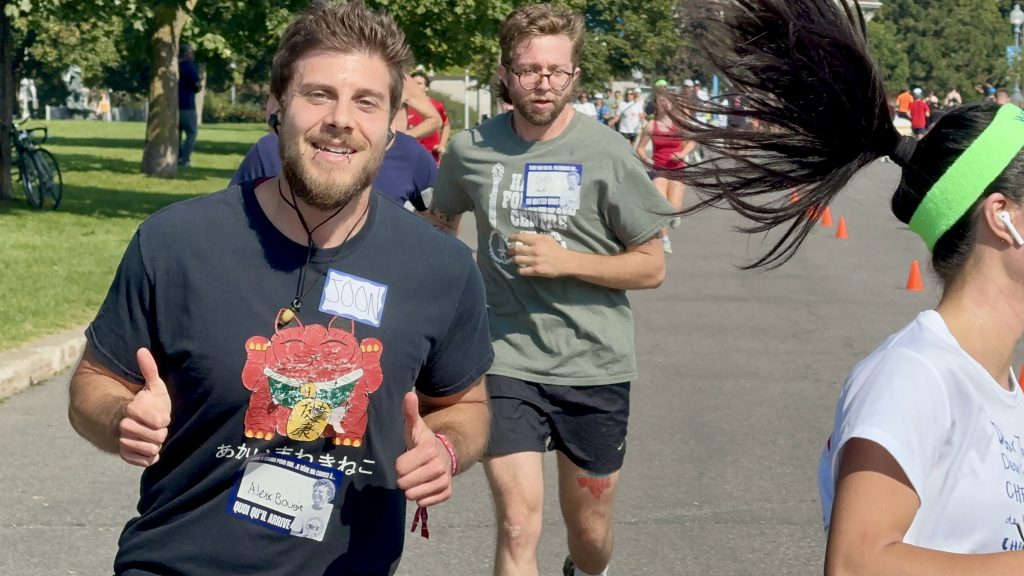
[(444, 222)]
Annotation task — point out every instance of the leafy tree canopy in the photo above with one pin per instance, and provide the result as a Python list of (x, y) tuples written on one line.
[(929, 43)]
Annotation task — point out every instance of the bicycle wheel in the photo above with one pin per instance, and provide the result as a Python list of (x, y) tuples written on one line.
[(49, 173), (29, 174)]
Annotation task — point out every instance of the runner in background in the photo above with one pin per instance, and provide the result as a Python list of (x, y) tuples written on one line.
[(435, 142), (567, 221)]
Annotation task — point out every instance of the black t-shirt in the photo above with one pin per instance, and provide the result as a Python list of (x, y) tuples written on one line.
[(202, 284)]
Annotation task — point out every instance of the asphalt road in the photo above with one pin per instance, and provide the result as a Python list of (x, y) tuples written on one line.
[(739, 376)]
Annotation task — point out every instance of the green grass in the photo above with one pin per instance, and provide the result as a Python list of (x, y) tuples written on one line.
[(56, 266)]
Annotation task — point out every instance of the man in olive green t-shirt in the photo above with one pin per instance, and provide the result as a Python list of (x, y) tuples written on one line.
[(567, 221)]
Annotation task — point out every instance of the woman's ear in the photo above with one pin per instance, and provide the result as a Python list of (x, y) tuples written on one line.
[(1001, 214)]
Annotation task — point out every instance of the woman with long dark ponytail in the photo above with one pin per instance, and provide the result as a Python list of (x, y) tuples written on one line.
[(924, 471)]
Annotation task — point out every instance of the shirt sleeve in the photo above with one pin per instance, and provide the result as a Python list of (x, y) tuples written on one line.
[(250, 168), (449, 197), (899, 404), (424, 176), (464, 353), (125, 321)]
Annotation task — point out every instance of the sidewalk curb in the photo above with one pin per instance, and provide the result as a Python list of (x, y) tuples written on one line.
[(39, 360)]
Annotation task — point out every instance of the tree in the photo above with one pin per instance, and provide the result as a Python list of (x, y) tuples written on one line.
[(6, 100), (160, 157), (939, 51), (620, 36), (48, 42), (449, 33), (623, 36), (244, 33), (890, 55)]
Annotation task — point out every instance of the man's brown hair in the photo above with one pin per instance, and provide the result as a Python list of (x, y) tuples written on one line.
[(535, 20), (349, 29)]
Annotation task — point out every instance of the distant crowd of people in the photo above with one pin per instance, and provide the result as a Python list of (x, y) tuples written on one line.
[(923, 109)]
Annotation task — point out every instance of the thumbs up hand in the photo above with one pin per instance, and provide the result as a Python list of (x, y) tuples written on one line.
[(424, 470), (144, 426)]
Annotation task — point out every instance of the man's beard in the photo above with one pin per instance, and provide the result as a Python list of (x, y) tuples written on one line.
[(327, 191), (541, 117)]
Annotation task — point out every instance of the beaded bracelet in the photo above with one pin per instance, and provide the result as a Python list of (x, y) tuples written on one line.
[(451, 451)]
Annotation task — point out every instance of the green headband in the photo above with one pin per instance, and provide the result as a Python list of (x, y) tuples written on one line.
[(965, 181)]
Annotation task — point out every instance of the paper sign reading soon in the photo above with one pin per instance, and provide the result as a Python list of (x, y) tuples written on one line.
[(353, 297)]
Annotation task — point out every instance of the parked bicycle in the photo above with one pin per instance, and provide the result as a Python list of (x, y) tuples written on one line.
[(37, 168)]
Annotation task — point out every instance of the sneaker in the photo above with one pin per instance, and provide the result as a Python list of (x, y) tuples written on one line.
[(568, 569), (666, 244), (675, 222)]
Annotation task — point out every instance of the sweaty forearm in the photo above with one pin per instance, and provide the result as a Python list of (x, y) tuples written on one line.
[(98, 402), (431, 118), (631, 270), (425, 128), (96, 409), (467, 425), (446, 133), (907, 560)]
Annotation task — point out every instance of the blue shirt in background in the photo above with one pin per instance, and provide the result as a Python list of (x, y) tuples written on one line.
[(188, 84)]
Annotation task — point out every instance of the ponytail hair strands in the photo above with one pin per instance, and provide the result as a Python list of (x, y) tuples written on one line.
[(803, 74)]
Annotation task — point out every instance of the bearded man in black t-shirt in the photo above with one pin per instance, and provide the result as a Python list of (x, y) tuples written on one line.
[(292, 359)]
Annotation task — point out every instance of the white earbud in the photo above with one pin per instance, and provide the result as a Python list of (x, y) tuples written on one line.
[(1005, 218)]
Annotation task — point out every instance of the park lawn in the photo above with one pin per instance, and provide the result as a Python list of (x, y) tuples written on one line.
[(56, 266)]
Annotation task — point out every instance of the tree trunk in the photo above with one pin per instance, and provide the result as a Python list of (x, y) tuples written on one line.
[(6, 102), (160, 157)]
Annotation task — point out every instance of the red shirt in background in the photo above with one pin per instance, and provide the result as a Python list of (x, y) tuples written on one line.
[(919, 111), (432, 141)]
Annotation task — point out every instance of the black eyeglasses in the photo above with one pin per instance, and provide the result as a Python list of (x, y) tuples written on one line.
[(558, 80)]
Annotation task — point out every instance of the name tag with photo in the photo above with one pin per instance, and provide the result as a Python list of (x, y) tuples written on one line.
[(552, 185), (286, 495)]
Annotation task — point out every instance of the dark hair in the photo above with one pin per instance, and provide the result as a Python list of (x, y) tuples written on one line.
[(421, 74), (946, 141), (532, 21), (803, 71), (349, 28)]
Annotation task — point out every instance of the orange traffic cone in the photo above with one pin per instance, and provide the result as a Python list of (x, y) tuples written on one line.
[(826, 217), (914, 283), (841, 231)]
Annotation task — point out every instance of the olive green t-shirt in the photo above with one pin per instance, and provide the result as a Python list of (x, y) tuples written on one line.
[(585, 188)]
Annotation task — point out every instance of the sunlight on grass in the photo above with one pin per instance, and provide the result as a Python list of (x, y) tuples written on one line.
[(56, 266)]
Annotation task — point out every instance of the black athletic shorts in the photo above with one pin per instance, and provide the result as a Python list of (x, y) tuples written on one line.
[(586, 423)]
